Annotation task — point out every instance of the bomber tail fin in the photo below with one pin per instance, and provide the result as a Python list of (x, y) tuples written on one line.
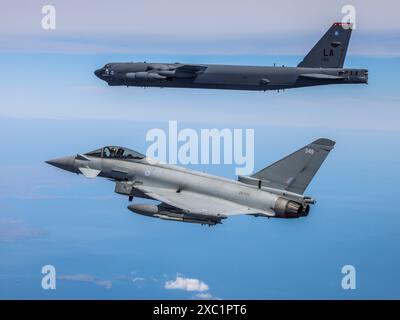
[(330, 50), (294, 172)]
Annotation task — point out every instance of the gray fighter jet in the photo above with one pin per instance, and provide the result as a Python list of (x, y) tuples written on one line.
[(196, 197), (322, 65)]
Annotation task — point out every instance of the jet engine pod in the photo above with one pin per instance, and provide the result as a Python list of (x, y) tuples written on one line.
[(285, 208), (145, 76)]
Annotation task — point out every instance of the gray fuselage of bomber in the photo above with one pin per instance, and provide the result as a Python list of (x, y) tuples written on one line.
[(235, 77), (322, 65)]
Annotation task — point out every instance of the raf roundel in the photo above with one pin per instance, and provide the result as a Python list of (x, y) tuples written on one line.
[(147, 173)]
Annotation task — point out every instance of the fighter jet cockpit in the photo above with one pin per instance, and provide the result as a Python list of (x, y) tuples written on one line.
[(114, 152)]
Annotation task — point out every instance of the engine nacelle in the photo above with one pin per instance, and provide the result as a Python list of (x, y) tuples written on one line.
[(285, 208), (145, 76)]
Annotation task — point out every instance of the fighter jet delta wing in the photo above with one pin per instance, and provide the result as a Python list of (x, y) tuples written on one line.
[(197, 203)]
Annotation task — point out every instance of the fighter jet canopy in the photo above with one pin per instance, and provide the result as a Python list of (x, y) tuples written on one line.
[(115, 152)]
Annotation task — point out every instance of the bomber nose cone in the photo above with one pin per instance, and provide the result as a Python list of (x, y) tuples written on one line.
[(65, 163), (98, 73)]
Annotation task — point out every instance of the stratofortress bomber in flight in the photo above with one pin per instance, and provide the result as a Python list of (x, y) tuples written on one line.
[(321, 66), (276, 191)]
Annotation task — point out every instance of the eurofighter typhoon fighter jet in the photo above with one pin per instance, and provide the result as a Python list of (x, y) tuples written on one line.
[(191, 196), (322, 65)]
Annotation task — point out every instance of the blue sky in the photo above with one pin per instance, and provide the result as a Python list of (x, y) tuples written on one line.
[(53, 105)]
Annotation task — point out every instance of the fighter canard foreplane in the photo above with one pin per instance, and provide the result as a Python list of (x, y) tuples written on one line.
[(190, 196), (322, 65)]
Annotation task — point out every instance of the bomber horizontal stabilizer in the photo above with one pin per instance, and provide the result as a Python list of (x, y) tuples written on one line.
[(320, 76)]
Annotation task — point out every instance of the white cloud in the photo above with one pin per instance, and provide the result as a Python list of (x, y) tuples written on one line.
[(86, 278), (137, 279), (205, 296), (187, 284)]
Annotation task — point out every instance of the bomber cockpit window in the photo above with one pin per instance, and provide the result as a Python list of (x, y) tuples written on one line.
[(107, 69), (95, 153), (121, 153)]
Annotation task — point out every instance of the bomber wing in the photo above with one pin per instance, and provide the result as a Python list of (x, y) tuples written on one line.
[(196, 203), (190, 68), (180, 70)]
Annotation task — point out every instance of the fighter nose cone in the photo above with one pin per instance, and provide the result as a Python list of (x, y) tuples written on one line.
[(65, 163)]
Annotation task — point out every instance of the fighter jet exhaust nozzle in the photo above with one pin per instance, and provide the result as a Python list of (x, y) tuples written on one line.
[(159, 212), (145, 76), (285, 208), (306, 210)]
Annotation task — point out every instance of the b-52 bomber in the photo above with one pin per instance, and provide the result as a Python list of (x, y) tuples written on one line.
[(191, 196), (321, 66)]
